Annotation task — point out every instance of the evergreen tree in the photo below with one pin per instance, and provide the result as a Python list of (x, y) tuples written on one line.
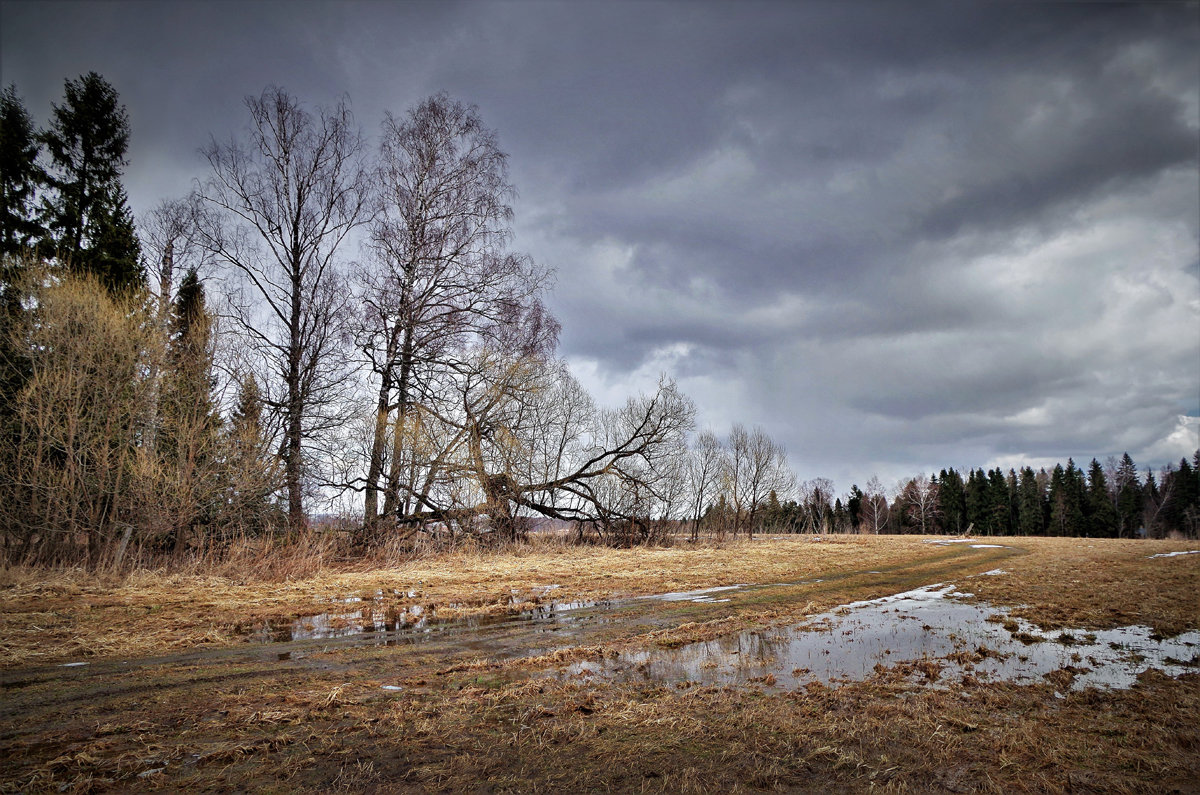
[(87, 215), (1029, 504), (1129, 498), (978, 502), (20, 176), (253, 473), (1155, 515), (187, 444), (998, 503), (1181, 513), (1066, 500), (854, 507), (952, 498), (1099, 510), (1057, 501)]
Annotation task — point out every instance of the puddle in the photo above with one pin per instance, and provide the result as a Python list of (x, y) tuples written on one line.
[(943, 637), (408, 624), (374, 623)]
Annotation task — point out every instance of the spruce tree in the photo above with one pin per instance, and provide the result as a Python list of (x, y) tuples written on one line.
[(89, 224), (1129, 498), (952, 501), (188, 441), (20, 177), (1184, 504), (252, 471), (998, 506), (1099, 510), (854, 507), (1029, 505), (977, 502)]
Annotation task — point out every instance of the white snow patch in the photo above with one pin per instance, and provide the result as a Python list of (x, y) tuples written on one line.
[(72, 665), (928, 592), (993, 573), (1173, 554), (692, 596), (988, 546)]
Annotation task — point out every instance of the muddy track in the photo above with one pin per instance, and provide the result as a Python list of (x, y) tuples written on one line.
[(504, 639)]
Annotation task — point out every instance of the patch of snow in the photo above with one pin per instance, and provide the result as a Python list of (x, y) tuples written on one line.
[(936, 591), (71, 665), (988, 546), (993, 573), (691, 596), (1173, 554), (391, 687), (950, 540)]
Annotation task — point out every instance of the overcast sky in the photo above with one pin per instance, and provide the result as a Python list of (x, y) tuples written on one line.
[(898, 235)]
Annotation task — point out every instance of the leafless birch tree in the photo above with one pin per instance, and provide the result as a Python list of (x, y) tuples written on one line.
[(283, 202), (757, 466), (439, 276), (707, 464), (875, 511)]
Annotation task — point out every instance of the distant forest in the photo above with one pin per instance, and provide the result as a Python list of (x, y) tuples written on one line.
[(1110, 500), (327, 321)]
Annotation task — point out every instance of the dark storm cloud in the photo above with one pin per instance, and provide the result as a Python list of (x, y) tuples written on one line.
[(899, 235)]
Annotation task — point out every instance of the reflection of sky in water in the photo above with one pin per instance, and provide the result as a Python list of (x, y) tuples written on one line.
[(926, 624)]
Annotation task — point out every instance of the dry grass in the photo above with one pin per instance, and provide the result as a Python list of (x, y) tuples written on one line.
[(52, 616), (464, 721), (1098, 584), (49, 616)]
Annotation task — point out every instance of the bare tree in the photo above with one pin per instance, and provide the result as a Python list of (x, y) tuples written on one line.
[(523, 439), (875, 510), (283, 204), (439, 276), (707, 464), (920, 499), (816, 500), (757, 467)]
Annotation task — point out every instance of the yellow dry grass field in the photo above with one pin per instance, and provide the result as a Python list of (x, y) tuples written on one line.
[(72, 614), (455, 715)]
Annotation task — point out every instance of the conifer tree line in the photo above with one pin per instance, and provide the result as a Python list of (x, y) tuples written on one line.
[(1109, 500), (332, 316)]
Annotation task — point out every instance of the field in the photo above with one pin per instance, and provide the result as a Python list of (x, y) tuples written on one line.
[(556, 668)]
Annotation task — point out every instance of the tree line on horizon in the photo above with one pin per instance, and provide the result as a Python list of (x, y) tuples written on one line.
[(220, 367), (1110, 500)]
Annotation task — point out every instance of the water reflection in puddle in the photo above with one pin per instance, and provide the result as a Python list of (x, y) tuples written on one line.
[(945, 636), (408, 624), (376, 621)]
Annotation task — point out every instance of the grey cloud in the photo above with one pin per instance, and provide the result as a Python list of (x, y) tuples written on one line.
[(898, 235)]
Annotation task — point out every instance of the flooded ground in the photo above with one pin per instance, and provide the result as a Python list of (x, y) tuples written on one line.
[(553, 674), (935, 633)]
